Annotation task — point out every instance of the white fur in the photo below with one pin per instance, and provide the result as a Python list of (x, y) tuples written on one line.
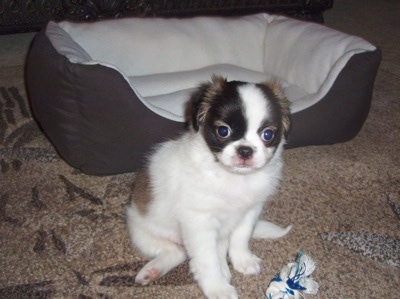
[(205, 212)]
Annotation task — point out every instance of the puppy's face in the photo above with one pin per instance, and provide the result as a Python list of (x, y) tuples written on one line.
[(243, 124)]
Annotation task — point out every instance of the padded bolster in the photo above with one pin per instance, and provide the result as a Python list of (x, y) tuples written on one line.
[(142, 46), (305, 54), (99, 137)]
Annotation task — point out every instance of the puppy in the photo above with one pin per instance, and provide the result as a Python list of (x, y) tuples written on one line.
[(202, 194)]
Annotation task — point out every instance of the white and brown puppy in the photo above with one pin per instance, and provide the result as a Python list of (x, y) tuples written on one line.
[(202, 194)]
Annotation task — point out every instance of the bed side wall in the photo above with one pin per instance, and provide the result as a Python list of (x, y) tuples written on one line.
[(340, 115), (90, 113)]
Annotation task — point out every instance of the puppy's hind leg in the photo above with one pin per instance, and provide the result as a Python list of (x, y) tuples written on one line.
[(165, 260), (165, 254), (268, 230)]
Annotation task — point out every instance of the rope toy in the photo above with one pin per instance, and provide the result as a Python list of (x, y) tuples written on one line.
[(293, 280)]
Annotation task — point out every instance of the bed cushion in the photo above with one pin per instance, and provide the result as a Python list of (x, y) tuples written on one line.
[(115, 88)]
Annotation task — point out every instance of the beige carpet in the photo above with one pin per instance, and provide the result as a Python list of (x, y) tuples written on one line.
[(63, 233)]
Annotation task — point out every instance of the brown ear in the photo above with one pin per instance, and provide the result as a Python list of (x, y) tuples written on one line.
[(193, 106), (283, 102), (200, 101)]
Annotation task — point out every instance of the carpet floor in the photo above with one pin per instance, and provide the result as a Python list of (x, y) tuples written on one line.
[(63, 233)]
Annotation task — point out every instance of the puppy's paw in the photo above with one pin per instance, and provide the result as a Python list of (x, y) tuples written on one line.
[(147, 275), (246, 263), (220, 291)]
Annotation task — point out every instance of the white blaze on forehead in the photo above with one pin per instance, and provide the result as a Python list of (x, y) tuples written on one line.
[(255, 105)]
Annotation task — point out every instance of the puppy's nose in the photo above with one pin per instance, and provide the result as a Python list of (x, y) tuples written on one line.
[(245, 152)]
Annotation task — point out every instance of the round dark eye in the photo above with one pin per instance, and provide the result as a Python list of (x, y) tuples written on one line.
[(223, 131), (267, 135)]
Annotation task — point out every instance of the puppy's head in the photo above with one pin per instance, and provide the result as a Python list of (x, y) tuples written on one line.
[(242, 124)]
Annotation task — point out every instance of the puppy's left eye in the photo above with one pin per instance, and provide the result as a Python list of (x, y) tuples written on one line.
[(267, 135)]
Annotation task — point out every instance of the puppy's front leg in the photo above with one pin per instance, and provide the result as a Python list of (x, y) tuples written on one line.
[(204, 250), (241, 257)]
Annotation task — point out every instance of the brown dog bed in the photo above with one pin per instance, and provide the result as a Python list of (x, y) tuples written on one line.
[(105, 92)]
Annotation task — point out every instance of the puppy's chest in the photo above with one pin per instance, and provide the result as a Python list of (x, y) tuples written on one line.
[(239, 185), (234, 195)]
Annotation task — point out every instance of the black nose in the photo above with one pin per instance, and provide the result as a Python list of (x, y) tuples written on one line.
[(245, 152)]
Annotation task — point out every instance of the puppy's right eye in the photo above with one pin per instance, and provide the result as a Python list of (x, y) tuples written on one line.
[(223, 131)]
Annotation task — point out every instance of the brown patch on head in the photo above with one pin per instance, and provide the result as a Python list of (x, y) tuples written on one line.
[(141, 191), (217, 84), (200, 101), (283, 102), (214, 88)]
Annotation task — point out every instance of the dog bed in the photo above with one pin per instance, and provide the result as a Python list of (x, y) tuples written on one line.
[(106, 92)]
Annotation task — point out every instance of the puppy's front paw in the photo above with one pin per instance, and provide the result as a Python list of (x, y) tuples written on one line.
[(220, 291), (246, 263)]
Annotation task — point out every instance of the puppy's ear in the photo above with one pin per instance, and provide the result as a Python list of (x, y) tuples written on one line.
[(200, 102), (283, 103), (192, 108)]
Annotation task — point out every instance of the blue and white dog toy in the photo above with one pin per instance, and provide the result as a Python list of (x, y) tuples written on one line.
[(293, 280)]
